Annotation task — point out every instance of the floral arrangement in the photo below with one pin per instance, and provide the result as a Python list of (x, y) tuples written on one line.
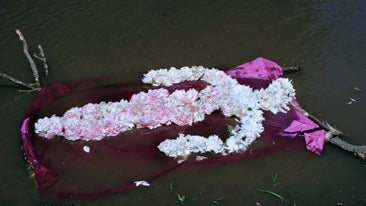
[(158, 107)]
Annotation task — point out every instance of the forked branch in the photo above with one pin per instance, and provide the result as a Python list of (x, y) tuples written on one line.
[(36, 86)]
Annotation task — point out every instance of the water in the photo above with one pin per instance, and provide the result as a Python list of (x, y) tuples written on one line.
[(119, 40)]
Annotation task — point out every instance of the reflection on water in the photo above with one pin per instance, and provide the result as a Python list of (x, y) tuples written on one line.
[(119, 40)]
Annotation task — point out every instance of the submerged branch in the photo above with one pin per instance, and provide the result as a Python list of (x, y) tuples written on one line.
[(358, 150), (291, 69)]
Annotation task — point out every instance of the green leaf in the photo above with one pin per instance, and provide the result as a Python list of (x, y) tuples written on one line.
[(275, 180), (181, 198), (272, 193), (171, 186), (230, 128)]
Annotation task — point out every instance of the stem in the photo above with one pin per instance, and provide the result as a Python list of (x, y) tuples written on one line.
[(43, 59)]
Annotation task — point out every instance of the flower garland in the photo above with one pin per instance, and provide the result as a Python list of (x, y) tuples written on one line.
[(158, 107)]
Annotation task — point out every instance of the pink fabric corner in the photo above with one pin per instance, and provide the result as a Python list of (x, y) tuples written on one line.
[(314, 139), (264, 69), (260, 68)]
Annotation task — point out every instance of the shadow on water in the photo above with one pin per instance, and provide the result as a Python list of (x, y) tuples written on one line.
[(120, 40)]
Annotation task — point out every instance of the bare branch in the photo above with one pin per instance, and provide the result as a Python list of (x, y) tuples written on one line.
[(43, 59), (358, 150), (16, 81), (29, 58)]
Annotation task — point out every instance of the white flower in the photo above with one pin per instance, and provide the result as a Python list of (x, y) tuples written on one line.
[(49, 127)]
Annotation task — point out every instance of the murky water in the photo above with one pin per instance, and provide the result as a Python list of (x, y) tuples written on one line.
[(119, 40)]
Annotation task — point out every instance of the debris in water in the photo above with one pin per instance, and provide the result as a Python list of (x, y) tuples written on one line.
[(352, 100), (142, 183), (86, 149)]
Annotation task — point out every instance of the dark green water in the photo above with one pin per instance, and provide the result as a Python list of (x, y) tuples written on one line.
[(119, 40)]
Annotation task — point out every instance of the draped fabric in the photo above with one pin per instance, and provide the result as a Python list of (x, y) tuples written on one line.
[(64, 169)]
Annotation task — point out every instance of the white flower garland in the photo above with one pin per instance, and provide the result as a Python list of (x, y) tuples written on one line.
[(157, 107)]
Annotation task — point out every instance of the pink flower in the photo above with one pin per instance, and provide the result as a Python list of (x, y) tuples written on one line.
[(185, 107), (150, 108)]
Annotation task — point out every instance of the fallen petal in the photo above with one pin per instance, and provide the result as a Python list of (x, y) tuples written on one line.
[(200, 158), (141, 183), (86, 149)]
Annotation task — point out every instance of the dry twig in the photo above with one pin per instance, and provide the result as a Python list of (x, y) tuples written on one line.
[(17, 81), (42, 58), (29, 58), (36, 86)]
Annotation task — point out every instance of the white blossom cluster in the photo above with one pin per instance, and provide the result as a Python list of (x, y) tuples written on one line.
[(184, 145), (158, 107), (234, 100), (168, 77)]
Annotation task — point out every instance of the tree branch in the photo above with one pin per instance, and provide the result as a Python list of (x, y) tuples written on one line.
[(42, 58), (29, 58), (36, 86), (17, 81), (358, 150)]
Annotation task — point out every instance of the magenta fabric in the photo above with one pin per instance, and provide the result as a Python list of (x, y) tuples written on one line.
[(259, 68), (314, 135), (63, 170)]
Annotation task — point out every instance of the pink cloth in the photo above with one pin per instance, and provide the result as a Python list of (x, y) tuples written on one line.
[(314, 136), (67, 180), (259, 68), (264, 69)]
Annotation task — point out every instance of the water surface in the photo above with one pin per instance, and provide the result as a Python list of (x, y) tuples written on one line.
[(120, 40)]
